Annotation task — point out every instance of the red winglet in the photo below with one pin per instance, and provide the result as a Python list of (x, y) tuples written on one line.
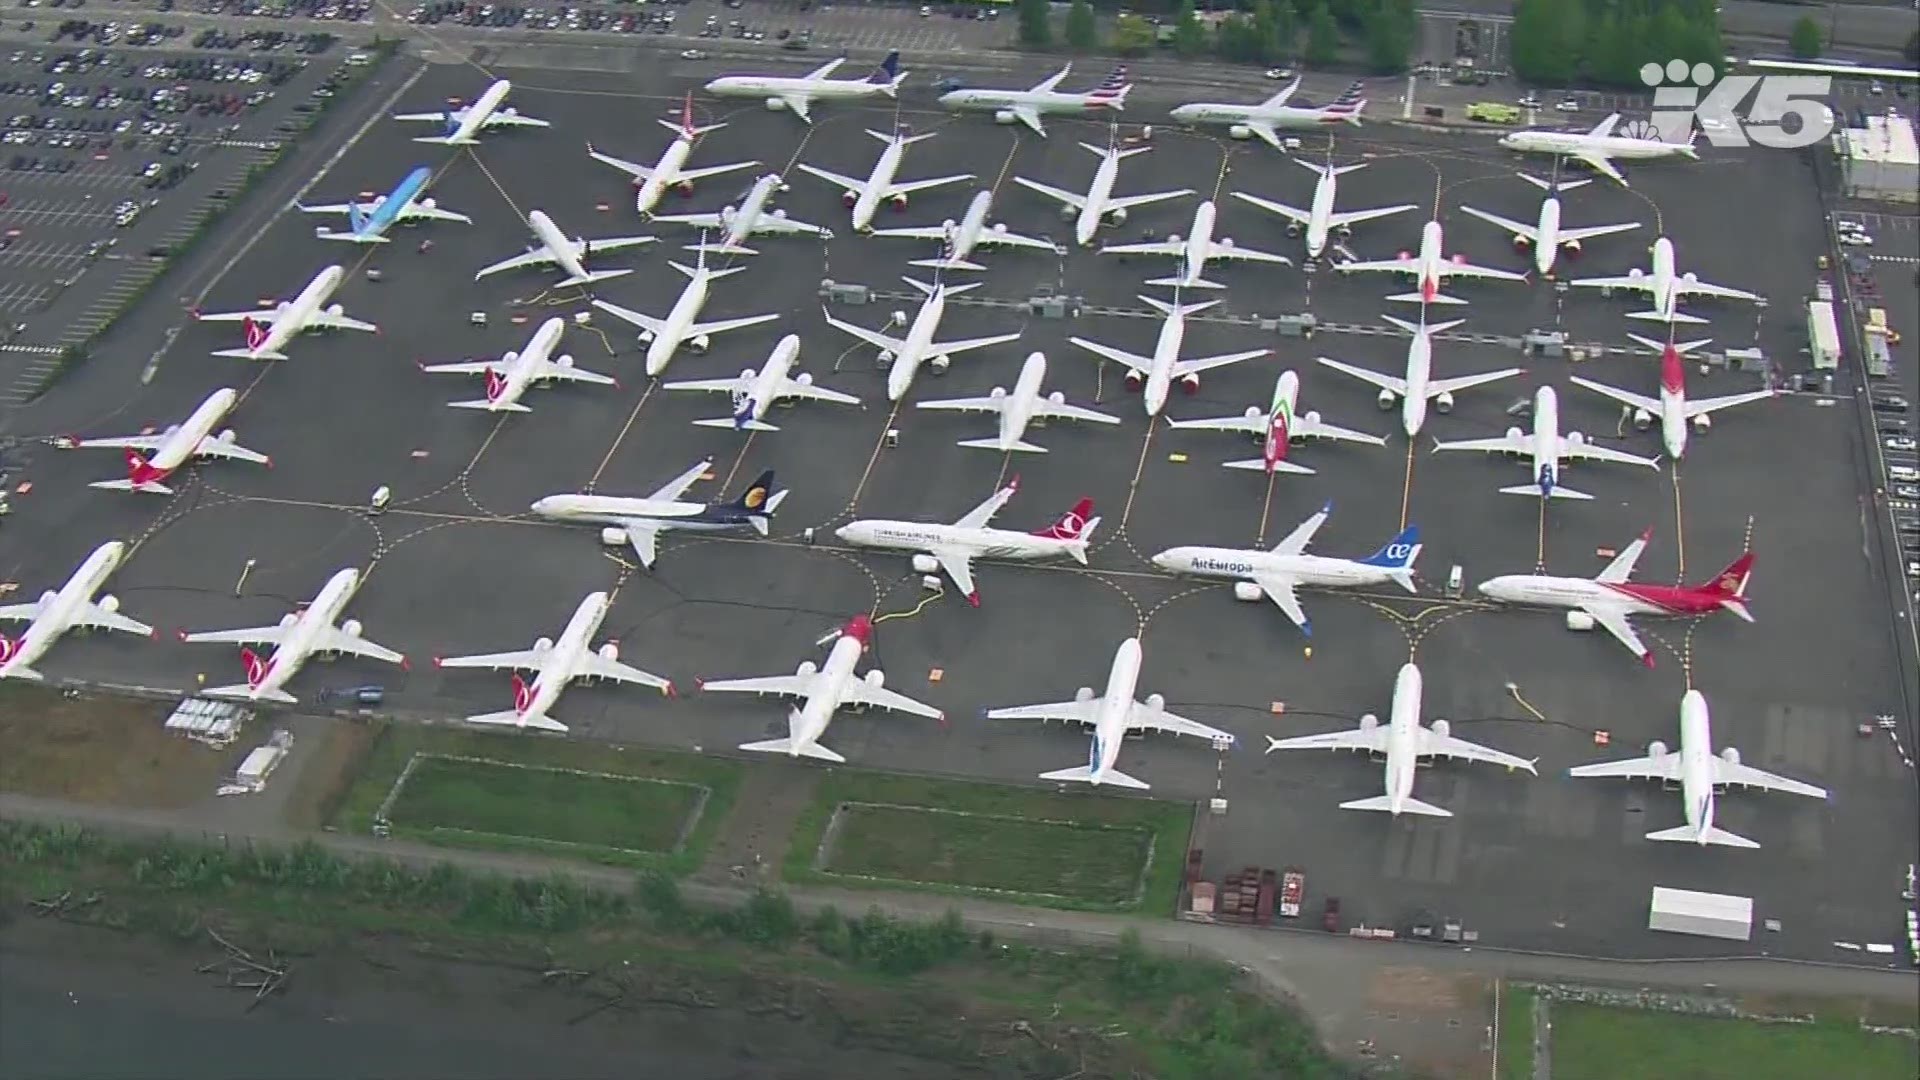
[(181, 633), (1648, 535), (670, 691), (404, 666), (974, 598), (436, 661)]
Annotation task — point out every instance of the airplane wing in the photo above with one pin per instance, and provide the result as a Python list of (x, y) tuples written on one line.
[(1685, 286), (569, 373), (723, 325), (1047, 84), (327, 320), (715, 170), (644, 322), (631, 168), (959, 567), (965, 404), (1616, 624), (1291, 213), (1073, 712), (1643, 283), (1235, 251), (825, 69), (1027, 115), (789, 685), (1296, 541), (1704, 406), (911, 186), (1372, 739), (584, 248), (644, 535), (130, 442), (1142, 718), (524, 660), (475, 367), (1063, 411), (844, 183), (979, 516), (339, 641), (955, 348), (1725, 772), (800, 105), (1252, 425), (776, 224), (1510, 443), (1469, 270), (1078, 202), (99, 618), (872, 337), (1283, 96), (676, 487), (1624, 397), (415, 212), (862, 692), (1130, 201), (1458, 383), (1666, 767), (1156, 247), (1600, 163), (262, 316), (1516, 228), (1407, 265), (1392, 384), (1182, 368), (1001, 237), (1434, 744), (1354, 217), (703, 221), (1621, 568), (793, 388), (594, 666), (917, 232), (1592, 231), (20, 612), (1133, 361), (215, 448), (1280, 589), (256, 635), (1307, 427), (539, 256), (1586, 451), (503, 118)]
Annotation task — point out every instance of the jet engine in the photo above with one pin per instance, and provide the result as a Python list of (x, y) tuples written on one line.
[(803, 379), (898, 318), (1313, 420), (1703, 423), (1255, 415), (336, 310), (1690, 277), (1057, 398), (1443, 401), (874, 679), (998, 229), (1636, 274), (1386, 399), (1116, 215), (885, 359), (564, 362), (1293, 228), (940, 363), (225, 437), (1134, 380), (1571, 247), (1157, 702), (1579, 620), (609, 651), (1521, 243), (1344, 231), (612, 537), (899, 201), (1005, 116), (1642, 419), (1515, 433), (1369, 722), (997, 393), (1576, 438), (1656, 749), (926, 564), (1225, 243), (1085, 693), (509, 110), (646, 337), (685, 188), (699, 343), (1442, 728), (775, 104), (1190, 383), (289, 619), (351, 628), (425, 204), (542, 644), (1239, 131), (1404, 255), (1247, 591), (109, 604), (1730, 756), (849, 198), (806, 668)]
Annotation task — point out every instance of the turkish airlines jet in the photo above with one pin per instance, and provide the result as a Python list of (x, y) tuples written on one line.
[(510, 376), (754, 392), (1404, 743), (1674, 409), (71, 608), (797, 95), (1546, 237), (1418, 387), (671, 171), (174, 447), (969, 234), (1099, 205), (953, 548), (1701, 773), (1546, 448), (1028, 106), (749, 218), (863, 197), (268, 332), (1154, 375), (1431, 268), (1113, 716), (296, 639), (1320, 219), (552, 248), (824, 688), (903, 356), (1598, 148), (369, 222), (1278, 427), (1608, 598), (640, 521), (1666, 287), (663, 337), (1018, 407), (1268, 118), (556, 663), (1195, 250), (464, 125)]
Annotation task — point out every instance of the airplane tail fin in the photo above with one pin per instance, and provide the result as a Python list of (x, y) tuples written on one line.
[(685, 127), (1677, 318), (1710, 835), (1397, 557), (1084, 774), (1076, 524), (1384, 804), (787, 746), (888, 73), (1729, 586), (1020, 445), (1112, 93), (514, 718), (759, 501), (356, 220), (1422, 298)]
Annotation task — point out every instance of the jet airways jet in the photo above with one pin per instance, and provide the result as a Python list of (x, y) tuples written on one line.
[(1099, 205), (1673, 407), (953, 548), (296, 639), (1113, 716), (1404, 743), (1431, 268), (969, 234), (1418, 387), (173, 447), (556, 663), (369, 222), (663, 337), (1701, 773), (1546, 237), (1547, 449), (1320, 219), (823, 689), (464, 125), (1279, 573), (1598, 148), (863, 197), (671, 171), (1608, 599), (1018, 407), (1194, 251), (510, 376), (1028, 106), (905, 355), (1665, 286), (1154, 375), (640, 521), (1265, 120), (72, 608), (749, 218), (552, 248), (754, 392), (797, 95), (1278, 427), (267, 332)]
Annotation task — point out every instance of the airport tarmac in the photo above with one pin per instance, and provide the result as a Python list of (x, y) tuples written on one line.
[(454, 565)]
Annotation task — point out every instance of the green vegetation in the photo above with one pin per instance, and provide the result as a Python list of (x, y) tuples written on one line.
[(1592, 1042), (1189, 37), (1036, 24), (1083, 34), (1805, 40), (1516, 1033), (1912, 49), (1264, 37), (1606, 42), (1133, 36), (1259, 32), (1323, 36)]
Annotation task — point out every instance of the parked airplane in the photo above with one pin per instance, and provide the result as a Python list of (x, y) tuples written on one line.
[(1194, 251), (1701, 773), (1404, 742), (797, 95), (1672, 407), (671, 171), (1278, 427), (552, 248), (953, 548), (267, 332), (905, 355), (1154, 375), (1320, 219), (173, 447), (71, 608), (970, 233), (640, 521), (1431, 268), (1418, 387), (369, 222), (1027, 106), (663, 337), (754, 392), (1598, 148), (863, 196), (1266, 119), (1546, 237), (556, 663), (295, 639), (1113, 716), (1608, 598), (1547, 449), (510, 376), (1099, 205), (1666, 287), (1278, 573), (747, 219), (1017, 408), (823, 689), (464, 125)]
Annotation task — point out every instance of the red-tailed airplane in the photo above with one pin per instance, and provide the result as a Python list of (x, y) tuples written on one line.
[(1673, 409)]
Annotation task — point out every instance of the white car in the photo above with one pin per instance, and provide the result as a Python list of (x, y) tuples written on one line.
[(1279, 74), (1856, 239), (1708, 123), (1901, 442), (1569, 105)]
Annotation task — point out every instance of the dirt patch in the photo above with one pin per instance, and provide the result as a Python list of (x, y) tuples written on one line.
[(338, 758), (1414, 989), (102, 750)]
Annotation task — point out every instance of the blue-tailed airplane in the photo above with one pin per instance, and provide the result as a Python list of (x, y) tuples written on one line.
[(368, 222)]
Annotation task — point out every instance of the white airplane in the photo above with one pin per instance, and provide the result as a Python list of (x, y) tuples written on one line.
[(1673, 408), (1701, 773), (823, 689), (552, 248), (1598, 148), (1194, 251), (464, 125), (1404, 742), (970, 233), (1154, 375), (1027, 106), (671, 171), (905, 355), (797, 95), (556, 663), (296, 638), (1265, 120), (1277, 574), (509, 377), (1547, 449), (72, 608), (1431, 268), (1278, 427), (663, 337), (748, 219), (1320, 218), (268, 331), (754, 392), (1019, 407), (369, 222), (1546, 237), (1099, 204), (863, 196), (953, 548), (1418, 387), (639, 522), (1666, 287), (1113, 716), (173, 447)]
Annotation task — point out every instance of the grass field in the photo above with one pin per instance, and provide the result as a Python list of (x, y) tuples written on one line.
[(105, 750), (1592, 1042), (1516, 1033)]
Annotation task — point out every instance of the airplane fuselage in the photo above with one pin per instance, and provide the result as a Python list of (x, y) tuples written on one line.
[(1040, 101), (1547, 247), (764, 388), (478, 112), (1278, 116), (774, 87), (1087, 225), (1247, 564), (685, 312), (57, 613), (665, 175), (521, 371), (1199, 243), (1016, 411), (913, 351), (297, 646), (747, 214), (556, 671), (1166, 354), (396, 203), (1570, 143), (1413, 407), (830, 687), (618, 510), (984, 543), (184, 442), (1402, 751), (1320, 212), (1116, 709), (867, 202), (301, 309), (966, 235), (1545, 440), (1696, 763), (556, 243)]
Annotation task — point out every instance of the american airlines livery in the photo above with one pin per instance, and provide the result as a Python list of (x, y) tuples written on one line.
[(174, 447), (297, 638), (1674, 409), (268, 331), (797, 95), (1321, 219), (1265, 120), (464, 125), (1546, 237), (1028, 106), (369, 222), (640, 521), (671, 170), (1278, 428), (1545, 449), (552, 248), (755, 392), (71, 608)]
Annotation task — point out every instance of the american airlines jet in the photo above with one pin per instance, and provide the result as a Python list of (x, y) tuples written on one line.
[(1546, 449), (640, 521), (267, 332), (464, 125), (1265, 120), (1666, 286), (863, 197), (1430, 268), (953, 548), (509, 377), (1154, 375), (961, 239), (296, 639), (1019, 407), (552, 248), (1194, 251), (1028, 106), (1675, 411), (797, 95), (904, 356), (1418, 386), (174, 447), (1278, 427), (746, 219), (1598, 148), (1321, 219), (754, 392), (1546, 237), (369, 222), (651, 183), (1099, 205), (663, 337), (71, 608)]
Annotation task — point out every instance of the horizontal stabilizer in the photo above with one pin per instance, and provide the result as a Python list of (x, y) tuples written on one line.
[(785, 746), (994, 444), (1185, 283), (357, 238), (1417, 298), (1407, 806), (743, 425), (1084, 775), (1678, 317), (128, 485), (948, 264), (509, 718), (593, 276), (26, 673), (442, 140), (1689, 834), (721, 249), (243, 692), (489, 406), (1553, 492), (1260, 465), (249, 354)]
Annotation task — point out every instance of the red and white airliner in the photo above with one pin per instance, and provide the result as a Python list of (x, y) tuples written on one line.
[(1431, 267), (1673, 408), (173, 447)]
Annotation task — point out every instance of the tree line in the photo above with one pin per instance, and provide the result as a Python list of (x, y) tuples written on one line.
[(1317, 32), (1607, 42)]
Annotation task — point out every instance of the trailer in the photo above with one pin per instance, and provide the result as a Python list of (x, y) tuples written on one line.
[(1683, 911), (1263, 900), (1293, 887)]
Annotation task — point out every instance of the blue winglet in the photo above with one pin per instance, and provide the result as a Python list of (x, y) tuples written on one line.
[(1306, 627), (1328, 507)]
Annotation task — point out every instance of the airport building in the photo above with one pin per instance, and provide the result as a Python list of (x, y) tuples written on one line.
[(1881, 161)]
